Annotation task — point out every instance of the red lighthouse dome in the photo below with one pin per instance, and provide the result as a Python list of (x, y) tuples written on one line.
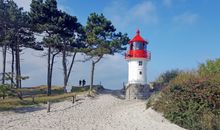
[(138, 38), (138, 48)]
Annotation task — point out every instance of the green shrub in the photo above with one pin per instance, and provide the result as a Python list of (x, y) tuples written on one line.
[(152, 99), (210, 67), (191, 99), (164, 79), (167, 76)]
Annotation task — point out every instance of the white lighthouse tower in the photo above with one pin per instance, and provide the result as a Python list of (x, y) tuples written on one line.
[(137, 57)]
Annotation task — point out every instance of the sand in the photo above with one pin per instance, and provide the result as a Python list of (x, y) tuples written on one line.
[(103, 112)]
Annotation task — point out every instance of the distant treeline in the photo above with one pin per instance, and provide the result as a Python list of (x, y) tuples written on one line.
[(62, 35)]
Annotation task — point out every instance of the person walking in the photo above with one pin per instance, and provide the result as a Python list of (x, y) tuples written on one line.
[(84, 82), (80, 82)]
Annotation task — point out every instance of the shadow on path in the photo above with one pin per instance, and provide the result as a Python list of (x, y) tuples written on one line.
[(28, 109)]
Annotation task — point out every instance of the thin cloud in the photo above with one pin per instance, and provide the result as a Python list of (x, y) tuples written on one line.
[(168, 3), (171, 3), (143, 13), (186, 18)]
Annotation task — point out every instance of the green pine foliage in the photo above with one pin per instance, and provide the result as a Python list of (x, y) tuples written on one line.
[(192, 99), (6, 91)]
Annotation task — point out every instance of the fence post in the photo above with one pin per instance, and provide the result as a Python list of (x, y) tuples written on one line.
[(33, 99), (48, 106), (74, 99)]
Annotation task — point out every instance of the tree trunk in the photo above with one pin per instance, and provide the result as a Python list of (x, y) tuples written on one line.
[(92, 72), (92, 77), (12, 67), (18, 71), (71, 65), (64, 69), (17, 66), (4, 51), (48, 72)]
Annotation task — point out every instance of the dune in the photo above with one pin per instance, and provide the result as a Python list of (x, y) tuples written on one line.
[(106, 111)]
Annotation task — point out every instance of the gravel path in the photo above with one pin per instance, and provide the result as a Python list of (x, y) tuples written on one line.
[(104, 112)]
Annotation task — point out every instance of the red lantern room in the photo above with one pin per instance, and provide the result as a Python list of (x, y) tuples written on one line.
[(138, 48)]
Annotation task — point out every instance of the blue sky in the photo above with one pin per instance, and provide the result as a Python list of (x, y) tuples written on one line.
[(181, 34)]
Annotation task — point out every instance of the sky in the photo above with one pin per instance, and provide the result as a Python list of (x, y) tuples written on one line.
[(182, 34)]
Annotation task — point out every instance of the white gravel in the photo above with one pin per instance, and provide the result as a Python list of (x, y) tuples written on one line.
[(104, 112)]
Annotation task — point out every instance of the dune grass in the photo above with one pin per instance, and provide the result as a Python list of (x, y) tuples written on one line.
[(35, 96), (39, 90), (12, 103)]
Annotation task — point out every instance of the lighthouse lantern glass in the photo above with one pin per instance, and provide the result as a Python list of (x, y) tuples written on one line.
[(145, 47), (137, 46)]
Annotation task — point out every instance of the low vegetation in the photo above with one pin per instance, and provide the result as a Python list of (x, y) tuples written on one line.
[(192, 99), (95, 88), (13, 103), (34, 96)]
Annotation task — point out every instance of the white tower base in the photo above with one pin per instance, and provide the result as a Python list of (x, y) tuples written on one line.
[(137, 71), (137, 91), (137, 79)]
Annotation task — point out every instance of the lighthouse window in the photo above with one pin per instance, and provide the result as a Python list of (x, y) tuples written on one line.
[(140, 63), (140, 72), (138, 46), (145, 47)]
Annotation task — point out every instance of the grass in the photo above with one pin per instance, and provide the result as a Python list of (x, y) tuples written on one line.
[(95, 88), (13, 103), (79, 89), (39, 90), (40, 97)]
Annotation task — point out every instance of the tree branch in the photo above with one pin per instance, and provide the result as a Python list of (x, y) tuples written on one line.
[(71, 65), (100, 57)]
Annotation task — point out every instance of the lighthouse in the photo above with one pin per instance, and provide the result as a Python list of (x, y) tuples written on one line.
[(137, 57)]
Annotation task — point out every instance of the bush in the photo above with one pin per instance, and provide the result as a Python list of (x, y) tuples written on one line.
[(168, 76), (192, 100), (164, 79), (210, 67)]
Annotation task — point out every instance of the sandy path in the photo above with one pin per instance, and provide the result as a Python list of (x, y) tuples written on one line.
[(104, 112)]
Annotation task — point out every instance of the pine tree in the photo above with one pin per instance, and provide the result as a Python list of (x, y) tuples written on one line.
[(72, 37), (102, 39), (45, 18)]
